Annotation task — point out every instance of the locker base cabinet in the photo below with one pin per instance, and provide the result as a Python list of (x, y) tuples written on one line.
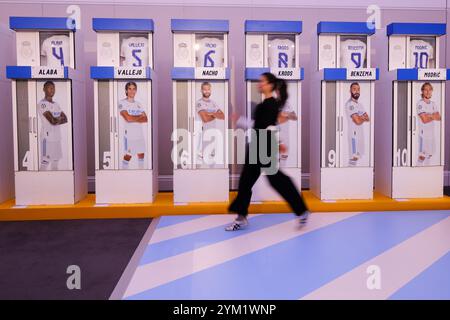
[(125, 186), (417, 182), (346, 183), (47, 188), (205, 185), (263, 191)]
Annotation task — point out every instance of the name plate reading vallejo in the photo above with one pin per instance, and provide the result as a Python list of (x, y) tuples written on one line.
[(361, 74), (210, 73), (286, 73), (47, 72), (130, 73), (431, 74)]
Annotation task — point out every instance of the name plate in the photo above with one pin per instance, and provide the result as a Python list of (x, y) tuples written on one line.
[(361, 74), (286, 73), (210, 73), (47, 72), (130, 73), (431, 74)]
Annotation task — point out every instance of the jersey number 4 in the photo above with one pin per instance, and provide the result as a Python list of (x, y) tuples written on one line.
[(60, 55)]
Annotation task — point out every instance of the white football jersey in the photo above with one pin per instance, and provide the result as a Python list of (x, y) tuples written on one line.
[(428, 108), (57, 51), (50, 132), (421, 54), (353, 53), (255, 54), (281, 53), (351, 108), (210, 53), (134, 50), (183, 53), (132, 130), (208, 106), (326, 53)]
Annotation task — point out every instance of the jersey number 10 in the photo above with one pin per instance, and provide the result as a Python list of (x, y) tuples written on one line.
[(420, 60)]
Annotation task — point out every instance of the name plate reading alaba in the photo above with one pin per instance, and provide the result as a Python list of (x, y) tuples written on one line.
[(210, 73), (361, 74), (47, 72), (431, 74), (286, 73), (130, 73)]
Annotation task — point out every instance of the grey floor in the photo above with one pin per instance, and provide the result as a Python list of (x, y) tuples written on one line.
[(34, 256)]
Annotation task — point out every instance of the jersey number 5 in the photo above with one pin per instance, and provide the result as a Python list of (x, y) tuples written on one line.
[(138, 59)]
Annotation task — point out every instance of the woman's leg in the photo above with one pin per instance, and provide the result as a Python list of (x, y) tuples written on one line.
[(286, 188), (249, 176)]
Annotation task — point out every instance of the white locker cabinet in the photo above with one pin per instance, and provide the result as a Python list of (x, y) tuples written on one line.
[(343, 115), (200, 110), (125, 111), (273, 46)]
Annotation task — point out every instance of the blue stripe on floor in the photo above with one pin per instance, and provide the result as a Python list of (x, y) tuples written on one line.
[(172, 247), (296, 267), (433, 283), (172, 220)]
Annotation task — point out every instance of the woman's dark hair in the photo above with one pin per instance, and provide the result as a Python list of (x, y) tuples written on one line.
[(279, 85)]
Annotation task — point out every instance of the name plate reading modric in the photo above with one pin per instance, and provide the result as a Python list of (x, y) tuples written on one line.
[(210, 73), (286, 73), (431, 74), (130, 73), (47, 72), (362, 74)]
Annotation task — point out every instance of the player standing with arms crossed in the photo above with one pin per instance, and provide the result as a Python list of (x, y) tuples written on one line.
[(357, 116), (52, 117), (135, 118), (428, 114), (207, 113)]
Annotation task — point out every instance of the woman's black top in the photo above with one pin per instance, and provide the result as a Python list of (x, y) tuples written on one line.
[(266, 113)]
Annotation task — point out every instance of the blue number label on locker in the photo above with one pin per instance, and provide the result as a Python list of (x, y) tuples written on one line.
[(282, 60), (209, 61), (420, 60), (356, 59), (138, 59), (59, 56)]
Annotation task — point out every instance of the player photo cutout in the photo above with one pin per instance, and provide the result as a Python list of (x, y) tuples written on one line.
[(134, 51), (209, 128), (356, 124), (54, 129), (133, 126), (428, 137), (55, 50)]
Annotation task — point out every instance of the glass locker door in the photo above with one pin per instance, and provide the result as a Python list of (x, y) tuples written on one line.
[(106, 125), (331, 125), (25, 123), (427, 109), (402, 124), (183, 125)]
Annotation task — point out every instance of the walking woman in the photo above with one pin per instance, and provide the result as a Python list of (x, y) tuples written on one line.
[(266, 116)]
